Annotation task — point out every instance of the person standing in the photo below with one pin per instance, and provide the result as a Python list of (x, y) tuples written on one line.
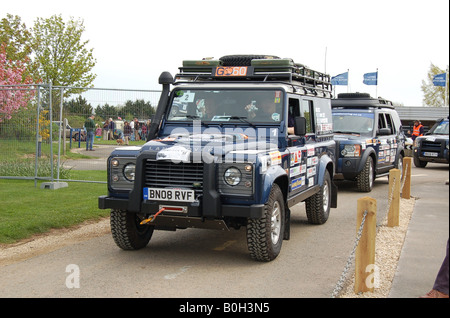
[(137, 130), (417, 130), (111, 127), (106, 129), (126, 132), (89, 125)]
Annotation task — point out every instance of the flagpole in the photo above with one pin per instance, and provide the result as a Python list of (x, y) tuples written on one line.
[(376, 86), (446, 88), (348, 77)]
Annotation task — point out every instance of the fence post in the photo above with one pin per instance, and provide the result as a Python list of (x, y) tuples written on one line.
[(365, 251), (394, 197), (406, 190)]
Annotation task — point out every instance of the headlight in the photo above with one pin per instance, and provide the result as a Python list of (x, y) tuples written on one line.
[(232, 176), (122, 171), (129, 171), (351, 151)]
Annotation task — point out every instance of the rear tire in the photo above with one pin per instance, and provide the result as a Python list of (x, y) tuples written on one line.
[(126, 231), (318, 205), (265, 235)]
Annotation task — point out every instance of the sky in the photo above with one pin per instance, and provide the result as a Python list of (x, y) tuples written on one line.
[(135, 40)]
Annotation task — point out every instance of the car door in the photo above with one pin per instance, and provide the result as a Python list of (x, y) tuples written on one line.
[(386, 143)]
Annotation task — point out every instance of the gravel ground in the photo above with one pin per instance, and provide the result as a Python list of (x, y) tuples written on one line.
[(389, 242), (53, 240), (388, 246)]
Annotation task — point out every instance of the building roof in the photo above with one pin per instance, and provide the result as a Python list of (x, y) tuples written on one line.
[(422, 113)]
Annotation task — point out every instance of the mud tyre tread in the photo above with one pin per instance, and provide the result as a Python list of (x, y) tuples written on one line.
[(126, 231), (259, 239)]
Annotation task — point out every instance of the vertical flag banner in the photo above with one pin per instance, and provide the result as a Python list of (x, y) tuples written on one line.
[(371, 78), (341, 79), (440, 79)]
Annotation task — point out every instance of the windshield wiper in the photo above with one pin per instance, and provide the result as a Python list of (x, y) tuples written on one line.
[(192, 117), (346, 132), (242, 119)]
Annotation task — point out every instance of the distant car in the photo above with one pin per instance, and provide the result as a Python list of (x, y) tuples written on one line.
[(433, 146), (74, 132), (369, 138)]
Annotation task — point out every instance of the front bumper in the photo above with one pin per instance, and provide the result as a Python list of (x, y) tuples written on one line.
[(348, 168), (253, 211)]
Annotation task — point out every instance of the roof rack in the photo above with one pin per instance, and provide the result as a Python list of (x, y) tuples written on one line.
[(259, 70), (360, 100)]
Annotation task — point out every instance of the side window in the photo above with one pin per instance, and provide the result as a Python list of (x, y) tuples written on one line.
[(381, 121), (306, 110), (390, 123)]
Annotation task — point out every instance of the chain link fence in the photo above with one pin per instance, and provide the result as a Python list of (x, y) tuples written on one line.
[(42, 134)]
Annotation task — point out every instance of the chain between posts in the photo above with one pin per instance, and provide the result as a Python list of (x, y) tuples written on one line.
[(340, 283)]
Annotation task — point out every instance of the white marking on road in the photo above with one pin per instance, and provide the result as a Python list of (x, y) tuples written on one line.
[(175, 275)]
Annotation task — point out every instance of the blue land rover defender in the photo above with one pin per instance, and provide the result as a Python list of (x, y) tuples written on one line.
[(234, 142)]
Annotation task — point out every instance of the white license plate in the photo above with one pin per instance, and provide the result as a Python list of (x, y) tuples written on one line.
[(178, 195), (430, 154)]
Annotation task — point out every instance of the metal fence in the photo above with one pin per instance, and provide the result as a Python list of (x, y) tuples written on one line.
[(42, 134)]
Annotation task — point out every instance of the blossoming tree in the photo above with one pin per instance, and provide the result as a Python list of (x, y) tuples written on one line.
[(14, 94)]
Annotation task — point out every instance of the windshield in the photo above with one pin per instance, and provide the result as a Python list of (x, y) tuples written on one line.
[(441, 129), (353, 123), (262, 106)]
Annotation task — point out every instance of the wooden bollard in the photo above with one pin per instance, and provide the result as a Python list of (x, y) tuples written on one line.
[(365, 251), (406, 191), (394, 195)]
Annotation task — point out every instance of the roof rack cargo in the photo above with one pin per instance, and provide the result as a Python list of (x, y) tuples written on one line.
[(254, 69), (360, 100)]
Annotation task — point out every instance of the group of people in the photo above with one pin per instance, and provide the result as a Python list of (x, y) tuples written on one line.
[(134, 130), (130, 131)]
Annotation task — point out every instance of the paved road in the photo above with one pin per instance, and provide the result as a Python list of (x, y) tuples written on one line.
[(205, 263), (100, 154)]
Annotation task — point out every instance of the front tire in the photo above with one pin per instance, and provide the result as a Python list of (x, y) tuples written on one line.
[(265, 235), (364, 180), (419, 163), (318, 205), (126, 231)]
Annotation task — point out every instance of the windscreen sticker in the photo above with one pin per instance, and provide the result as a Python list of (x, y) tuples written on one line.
[(277, 97)]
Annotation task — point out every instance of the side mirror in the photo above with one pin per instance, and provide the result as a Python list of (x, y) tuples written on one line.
[(300, 126), (384, 131)]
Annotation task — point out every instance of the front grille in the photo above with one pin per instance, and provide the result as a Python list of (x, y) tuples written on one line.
[(166, 174), (431, 146)]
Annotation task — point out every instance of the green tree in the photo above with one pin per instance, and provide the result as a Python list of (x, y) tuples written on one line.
[(434, 96), (139, 108), (106, 111), (78, 106), (62, 56)]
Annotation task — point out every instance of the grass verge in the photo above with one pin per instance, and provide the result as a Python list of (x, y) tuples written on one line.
[(27, 210)]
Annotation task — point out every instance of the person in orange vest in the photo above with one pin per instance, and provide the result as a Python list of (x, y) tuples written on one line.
[(417, 130)]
